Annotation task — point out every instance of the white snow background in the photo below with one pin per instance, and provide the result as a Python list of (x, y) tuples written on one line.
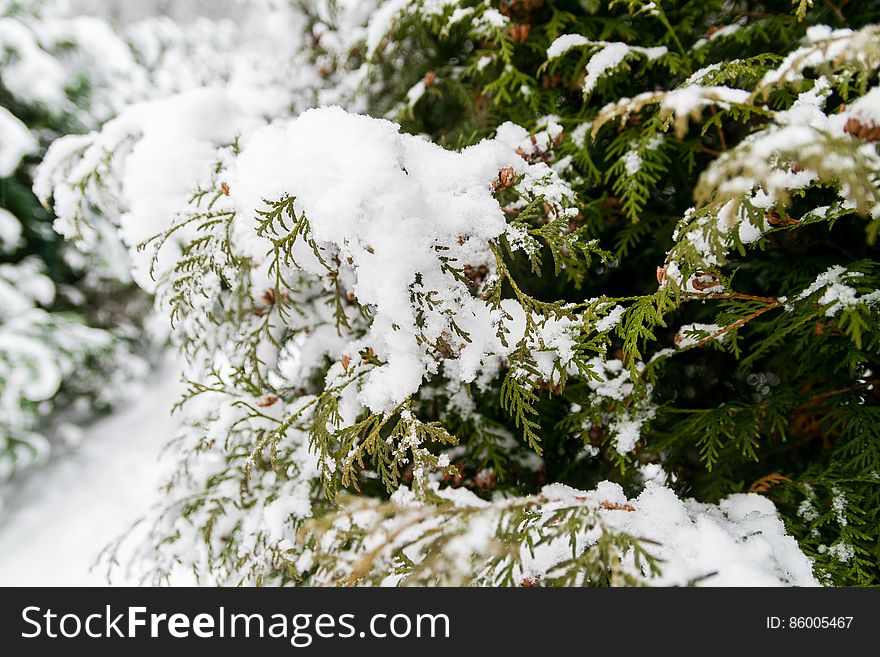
[(58, 518)]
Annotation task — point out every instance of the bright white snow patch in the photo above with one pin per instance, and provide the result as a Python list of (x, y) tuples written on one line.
[(10, 231), (632, 162), (565, 42), (161, 150), (740, 541), (610, 57), (16, 141), (610, 320), (384, 201), (692, 334), (66, 513), (837, 295)]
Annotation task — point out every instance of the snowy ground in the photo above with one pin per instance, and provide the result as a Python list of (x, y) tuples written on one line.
[(57, 519)]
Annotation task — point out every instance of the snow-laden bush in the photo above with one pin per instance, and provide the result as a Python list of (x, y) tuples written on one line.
[(50, 360), (57, 366), (70, 317), (500, 341)]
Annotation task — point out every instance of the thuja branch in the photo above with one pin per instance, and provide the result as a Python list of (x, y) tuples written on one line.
[(739, 323)]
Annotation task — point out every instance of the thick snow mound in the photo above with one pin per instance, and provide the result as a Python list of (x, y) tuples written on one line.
[(401, 211), (739, 542)]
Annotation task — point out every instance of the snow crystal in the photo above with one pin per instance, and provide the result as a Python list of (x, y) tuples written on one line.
[(492, 18), (844, 552), (655, 142), (609, 56), (483, 62), (821, 45), (176, 141), (615, 380), (554, 342), (626, 433), (807, 109), (48, 174), (749, 233), (866, 108), (24, 285), (654, 52), (437, 7), (838, 504), (579, 134), (807, 510), (701, 74), (653, 472), (31, 75), (651, 9), (632, 162), (459, 14), (725, 31), (43, 375), (277, 513)]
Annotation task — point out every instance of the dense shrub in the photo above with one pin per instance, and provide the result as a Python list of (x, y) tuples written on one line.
[(600, 308)]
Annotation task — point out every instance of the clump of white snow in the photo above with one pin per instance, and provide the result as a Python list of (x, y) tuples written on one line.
[(693, 334), (609, 56), (837, 295), (565, 42), (162, 150), (383, 201), (16, 141), (10, 231), (742, 539)]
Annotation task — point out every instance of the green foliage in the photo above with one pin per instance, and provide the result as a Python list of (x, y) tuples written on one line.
[(67, 321), (376, 556), (714, 278), (649, 163)]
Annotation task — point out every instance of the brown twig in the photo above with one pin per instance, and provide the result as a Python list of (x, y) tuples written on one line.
[(836, 10), (734, 295), (720, 131), (838, 391), (740, 322)]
